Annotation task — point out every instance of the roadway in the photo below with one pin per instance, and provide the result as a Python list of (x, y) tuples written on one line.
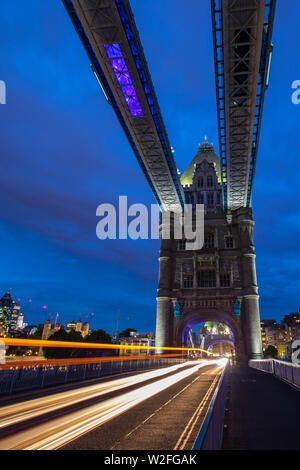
[(153, 410)]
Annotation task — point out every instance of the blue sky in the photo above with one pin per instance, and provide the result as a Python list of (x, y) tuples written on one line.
[(63, 153)]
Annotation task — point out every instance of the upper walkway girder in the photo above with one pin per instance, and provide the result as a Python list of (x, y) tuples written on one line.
[(242, 31), (109, 35)]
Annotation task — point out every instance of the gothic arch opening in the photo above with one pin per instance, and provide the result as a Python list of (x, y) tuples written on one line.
[(221, 347), (215, 332)]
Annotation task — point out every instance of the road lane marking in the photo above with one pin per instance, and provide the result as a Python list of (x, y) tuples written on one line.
[(182, 441), (161, 407)]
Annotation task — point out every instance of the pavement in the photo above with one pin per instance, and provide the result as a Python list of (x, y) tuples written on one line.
[(263, 412)]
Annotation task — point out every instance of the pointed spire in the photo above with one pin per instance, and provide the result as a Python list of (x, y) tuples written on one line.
[(206, 145), (207, 152)]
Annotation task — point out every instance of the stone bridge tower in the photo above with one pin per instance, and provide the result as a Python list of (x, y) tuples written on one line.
[(218, 282)]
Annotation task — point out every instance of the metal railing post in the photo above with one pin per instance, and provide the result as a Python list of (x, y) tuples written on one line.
[(84, 371), (43, 376), (12, 382), (67, 372)]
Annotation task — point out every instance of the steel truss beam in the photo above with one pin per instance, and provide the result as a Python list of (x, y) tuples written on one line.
[(242, 32), (110, 37)]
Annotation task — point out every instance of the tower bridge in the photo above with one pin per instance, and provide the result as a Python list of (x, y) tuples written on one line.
[(217, 283)]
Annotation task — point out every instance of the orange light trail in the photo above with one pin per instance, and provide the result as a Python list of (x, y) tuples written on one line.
[(33, 343), (77, 361)]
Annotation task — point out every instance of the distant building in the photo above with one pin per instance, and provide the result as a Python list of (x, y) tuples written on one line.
[(49, 330), (293, 319), (268, 323), (272, 334), (20, 322), (145, 341), (280, 335), (79, 327), (85, 329), (291, 325), (267, 328), (30, 329), (72, 326), (10, 313)]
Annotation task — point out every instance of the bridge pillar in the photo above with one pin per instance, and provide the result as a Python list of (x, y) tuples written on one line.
[(162, 322), (164, 315), (252, 326), (250, 303)]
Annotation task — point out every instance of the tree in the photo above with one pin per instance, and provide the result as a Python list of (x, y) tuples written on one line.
[(98, 336), (126, 333), (270, 352), (63, 353)]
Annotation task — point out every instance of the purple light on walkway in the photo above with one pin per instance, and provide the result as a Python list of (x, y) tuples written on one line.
[(123, 76)]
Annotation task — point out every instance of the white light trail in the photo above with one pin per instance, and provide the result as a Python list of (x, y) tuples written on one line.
[(59, 431), (16, 413)]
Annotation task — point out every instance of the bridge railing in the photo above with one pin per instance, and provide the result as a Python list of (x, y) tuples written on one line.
[(210, 436), (284, 370), (27, 376)]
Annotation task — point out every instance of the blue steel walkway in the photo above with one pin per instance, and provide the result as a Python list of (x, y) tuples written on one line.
[(263, 412)]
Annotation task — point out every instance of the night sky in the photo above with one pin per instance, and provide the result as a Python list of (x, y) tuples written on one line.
[(63, 153)]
